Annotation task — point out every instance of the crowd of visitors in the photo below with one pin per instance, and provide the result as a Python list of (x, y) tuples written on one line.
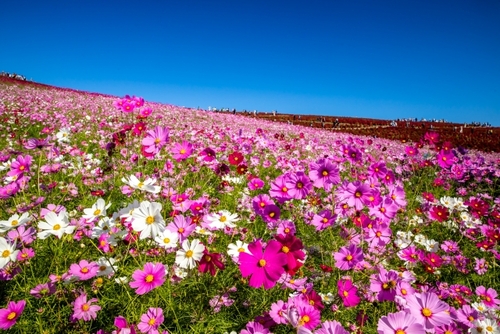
[(13, 76)]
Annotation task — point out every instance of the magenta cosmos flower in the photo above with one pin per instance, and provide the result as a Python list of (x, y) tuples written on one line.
[(400, 322), (83, 309), (20, 166), (9, 315), (151, 320), (264, 266), (148, 279), (348, 292)]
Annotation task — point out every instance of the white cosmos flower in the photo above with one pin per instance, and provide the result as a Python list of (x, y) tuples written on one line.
[(97, 210), (146, 185), (8, 252), (147, 220), (104, 225), (126, 213), (63, 135), (106, 266), (167, 239), (235, 249), (56, 224), (221, 219), (14, 222), (189, 254)]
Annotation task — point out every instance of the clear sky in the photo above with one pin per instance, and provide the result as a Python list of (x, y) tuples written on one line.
[(377, 59)]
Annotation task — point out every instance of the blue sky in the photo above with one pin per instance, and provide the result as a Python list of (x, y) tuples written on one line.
[(376, 59)]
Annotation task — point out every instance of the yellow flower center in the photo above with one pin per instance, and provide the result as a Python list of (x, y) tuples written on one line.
[(300, 185), (149, 278), (151, 321), (426, 312), (241, 250), (84, 270), (150, 220), (223, 219), (325, 220), (262, 263), (56, 227), (271, 214), (180, 230), (284, 189), (348, 257), (400, 331), (304, 320), (14, 222), (324, 173), (140, 185), (489, 328), (85, 307), (403, 292), (357, 194), (11, 315), (189, 253), (166, 240), (5, 253), (208, 258), (183, 151), (285, 249), (345, 293), (97, 212)]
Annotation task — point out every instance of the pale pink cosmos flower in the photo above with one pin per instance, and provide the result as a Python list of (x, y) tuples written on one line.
[(83, 309)]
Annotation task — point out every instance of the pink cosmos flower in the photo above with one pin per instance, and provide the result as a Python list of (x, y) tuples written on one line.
[(255, 183), (260, 202), (428, 309), (84, 270), (348, 293), (182, 226), (278, 311), (9, 315), (20, 166), (488, 296), (292, 247), (254, 328), (182, 151), (43, 290), (279, 190), (123, 327), (323, 220), (331, 327), (348, 257), (324, 174), (399, 322), (384, 283), (155, 140), (298, 185), (148, 279), (264, 266), (151, 320), (83, 309), (308, 316)]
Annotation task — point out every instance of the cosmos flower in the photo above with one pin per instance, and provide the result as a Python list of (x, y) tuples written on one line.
[(399, 322), (8, 252), (265, 266), (151, 320), (55, 224), (9, 315), (189, 254), (148, 279), (83, 309)]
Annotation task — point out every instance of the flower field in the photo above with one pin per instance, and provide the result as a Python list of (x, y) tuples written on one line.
[(118, 215)]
